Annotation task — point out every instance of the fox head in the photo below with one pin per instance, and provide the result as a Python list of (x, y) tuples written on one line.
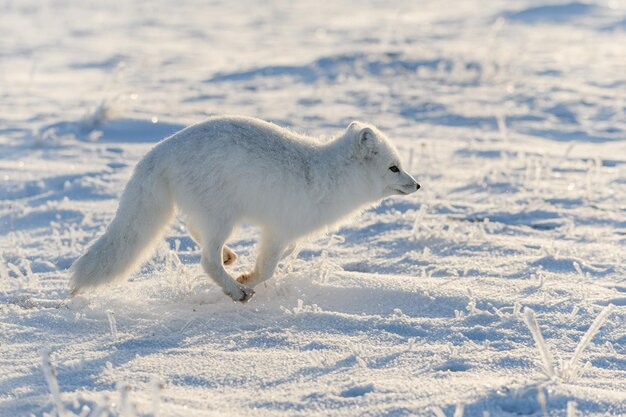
[(382, 169)]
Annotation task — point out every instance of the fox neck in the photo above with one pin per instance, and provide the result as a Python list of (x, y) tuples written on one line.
[(343, 179)]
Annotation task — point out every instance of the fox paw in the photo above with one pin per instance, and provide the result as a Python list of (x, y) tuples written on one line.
[(228, 256), (244, 295), (246, 278)]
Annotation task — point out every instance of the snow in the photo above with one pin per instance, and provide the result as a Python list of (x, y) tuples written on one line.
[(451, 301)]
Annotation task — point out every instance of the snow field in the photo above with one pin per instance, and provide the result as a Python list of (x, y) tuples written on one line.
[(497, 289)]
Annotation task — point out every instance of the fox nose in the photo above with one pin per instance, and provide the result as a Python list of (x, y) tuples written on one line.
[(417, 186)]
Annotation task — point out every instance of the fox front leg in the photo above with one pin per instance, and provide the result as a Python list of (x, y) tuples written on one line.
[(271, 251)]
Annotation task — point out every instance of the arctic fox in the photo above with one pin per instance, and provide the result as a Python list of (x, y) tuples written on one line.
[(230, 168)]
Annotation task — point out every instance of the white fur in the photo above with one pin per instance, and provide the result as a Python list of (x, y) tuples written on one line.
[(231, 168)]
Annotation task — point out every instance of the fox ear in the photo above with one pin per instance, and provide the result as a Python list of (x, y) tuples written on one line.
[(365, 146), (354, 125), (366, 135)]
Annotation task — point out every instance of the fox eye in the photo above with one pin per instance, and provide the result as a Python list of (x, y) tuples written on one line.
[(394, 168)]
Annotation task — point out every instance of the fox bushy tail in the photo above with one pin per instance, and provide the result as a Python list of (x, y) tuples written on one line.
[(145, 209)]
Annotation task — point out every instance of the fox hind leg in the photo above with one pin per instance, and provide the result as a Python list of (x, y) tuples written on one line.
[(288, 251), (212, 262), (229, 257)]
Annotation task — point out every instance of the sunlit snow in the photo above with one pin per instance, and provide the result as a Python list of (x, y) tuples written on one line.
[(499, 288)]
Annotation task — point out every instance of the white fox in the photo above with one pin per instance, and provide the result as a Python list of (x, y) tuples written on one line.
[(230, 168)]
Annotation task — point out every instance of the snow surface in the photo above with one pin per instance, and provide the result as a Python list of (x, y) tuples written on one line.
[(477, 294)]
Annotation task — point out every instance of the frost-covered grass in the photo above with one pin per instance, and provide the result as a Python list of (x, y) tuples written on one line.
[(498, 289), (570, 371)]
